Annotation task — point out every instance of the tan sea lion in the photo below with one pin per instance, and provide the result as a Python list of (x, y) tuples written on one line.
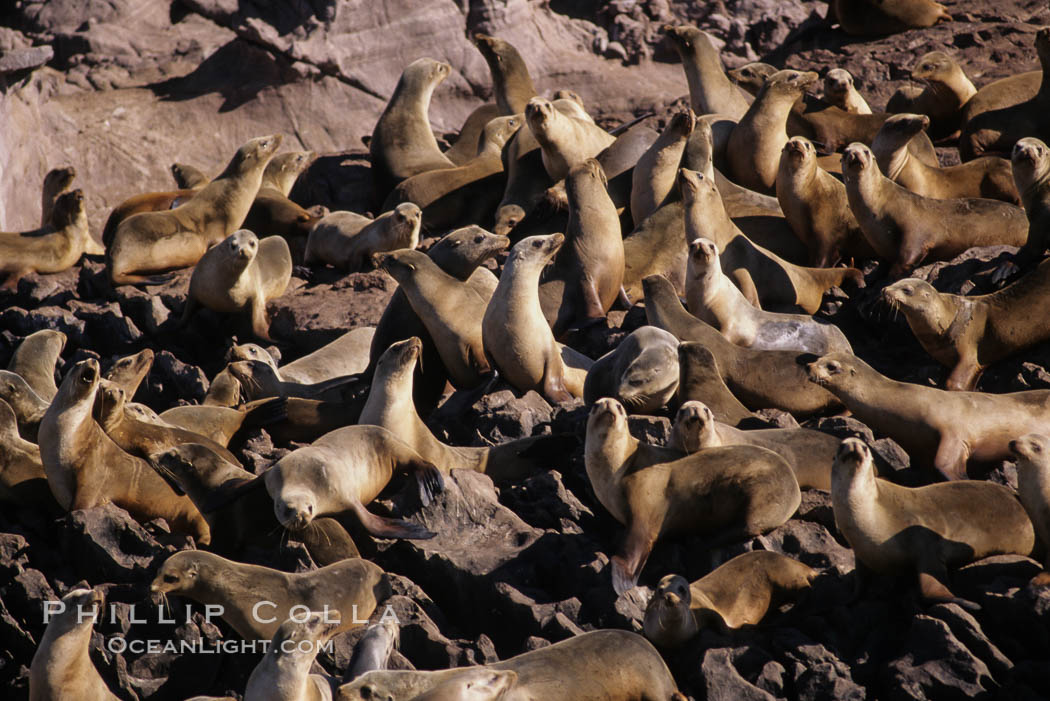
[(29, 407), (990, 177), (465, 146), (157, 241), (373, 649), (260, 380), (511, 83), (54, 248), (738, 593), (653, 178), (241, 274), (906, 229), (712, 298), (641, 372), (967, 334), (85, 468), (565, 142), (710, 91), (129, 372), (474, 684), (1033, 489), (876, 18), (35, 359), (728, 493), (346, 355), (1030, 161), (700, 379), (256, 600), (145, 202), (1003, 93), (810, 453), (56, 182), (840, 91), (402, 143), (941, 99), (283, 674), (188, 177), (760, 379), (221, 423), (62, 666), (343, 471), (22, 477), (347, 240), (272, 213), (938, 429), (896, 530)]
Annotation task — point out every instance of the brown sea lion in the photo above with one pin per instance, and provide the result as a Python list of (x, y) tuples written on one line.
[(1003, 93), (283, 674), (880, 17), (221, 423), (565, 142), (1033, 489), (29, 407), (641, 372), (465, 145), (188, 177), (129, 372), (700, 379), (35, 359), (512, 86), (710, 91), (653, 178), (56, 182), (941, 99), (840, 91), (22, 477), (348, 240), (260, 380), (54, 248), (145, 202), (1031, 169)]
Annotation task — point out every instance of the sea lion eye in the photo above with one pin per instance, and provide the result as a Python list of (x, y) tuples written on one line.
[(479, 239), (170, 578)]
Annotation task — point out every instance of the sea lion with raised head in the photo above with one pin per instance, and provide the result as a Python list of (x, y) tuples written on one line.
[(22, 477), (35, 359), (348, 241), (512, 86), (565, 142), (946, 89), (129, 372), (1033, 489), (641, 372), (283, 674), (653, 177), (29, 407), (1030, 162), (272, 213), (840, 91), (54, 248), (260, 380), (710, 90), (56, 182)]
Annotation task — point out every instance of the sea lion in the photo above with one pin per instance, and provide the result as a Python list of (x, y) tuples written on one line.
[(29, 407), (255, 600), (875, 18), (35, 359), (157, 241), (712, 298), (938, 429), (283, 674), (765, 279), (241, 274), (752, 76), (630, 668), (967, 334), (816, 207), (840, 92), (54, 248), (942, 98), (1030, 161), (653, 177), (56, 182), (760, 379), (260, 380), (222, 423), (1003, 93), (474, 684), (272, 213), (512, 86), (188, 177), (373, 649), (129, 372), (700, 379), (1033, 489), (465, 146), (346, 355), (565, 142), (402, 143), (347, 240), (738, 593), (710, 91), (85, 468), (906, 229), (728, 493), (641, 372), (894, 529), (22, 477), (519, 342), (145, 202), (990, 177), (62, 666), (810, 453), (343, 471)]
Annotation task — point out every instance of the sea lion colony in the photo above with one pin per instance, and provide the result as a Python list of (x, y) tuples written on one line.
[(714, 393)]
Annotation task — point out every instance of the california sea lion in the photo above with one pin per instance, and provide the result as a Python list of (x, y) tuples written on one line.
[(710, 91), (967, 334), (260, 380), (129, 372), (283, 674), (188, 177), (1003, 93), (22, 477), (942, 98), (341, 472), (29, 407), (272, 213), (465, 146), (641, 372), (712, 298), (875, 18), (938, 429), (241, 274), (52, 249), (906, 229), (1033, 488), (990, 177), (85, 468), (700, 379), (402, 143), (145, 202), (347, 240), (895, 530), (35, 358), (346, 355), (473, 684), (56, 182), (738, 593), (157, 241), (1030, 161), (840, 91), (512, 86), (565, 142), (810, 453), (728, 493), (256, 600), (654, 175), (221, 423)]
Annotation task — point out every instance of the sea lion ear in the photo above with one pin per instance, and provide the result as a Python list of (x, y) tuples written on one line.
[(853, 371)]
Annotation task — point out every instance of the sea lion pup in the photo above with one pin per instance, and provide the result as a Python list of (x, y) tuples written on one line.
[(764, 278), (815, 205), (565, 142), (990, 177), (129, 372), (840, 92), (967, 334), (29, 407), (728, 493), (35, 359), (810, 453), (348, 241), (710, 91), (1033, 489), (346, 355), (52, 249), (344, 588), (260, 380), (875, 18), (653, 177), (241, 274), (753, 151), (760, 379), (451, 310), (737, 593), (373, 649), (188, 177), (699, 377), (283, 674), (56, 182), (343, 471), (936, 428), (221, 423), (157, 241), (520, 344), (237, 507), (712, 298), (641, 372), (907, 229), (402, 143), (630, 668), (896, 530), (62, 666), (272, 212), (85, 468), (1031, 169), (942, 98), (22, 477)]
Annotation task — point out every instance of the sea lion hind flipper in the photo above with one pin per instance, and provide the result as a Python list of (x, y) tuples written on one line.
[(382, 527), (266, 411), (933, 591)]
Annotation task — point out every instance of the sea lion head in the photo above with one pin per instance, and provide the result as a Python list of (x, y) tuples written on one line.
[(425, 71), (293, 483), (910, 293), (590, 171), (539, 113), (15, 391), (902, 127), (684, 36), (1030, 448), (695, 186), (495, 50), (797, 151), (691, 422), (831, 369), (669, 621), (131, 368), (650, 380), (568, 95), (703, 253), (681, 123), (316, 626), (852, 455), (607, 417), (109, 404), (83, 380), (58, 179), (83, 607), (399, 264), (536, 249), (473, 242), (69, 209), (499, 130), (791, 82), (400, 358), (406, 219), (752, 76), (180, 574), (935, 65), (1029, 161), (837, 83), (256, 151), (508, 217), (258, 379), (282, 171), (240, 247), (250, 351), (857, 158)]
